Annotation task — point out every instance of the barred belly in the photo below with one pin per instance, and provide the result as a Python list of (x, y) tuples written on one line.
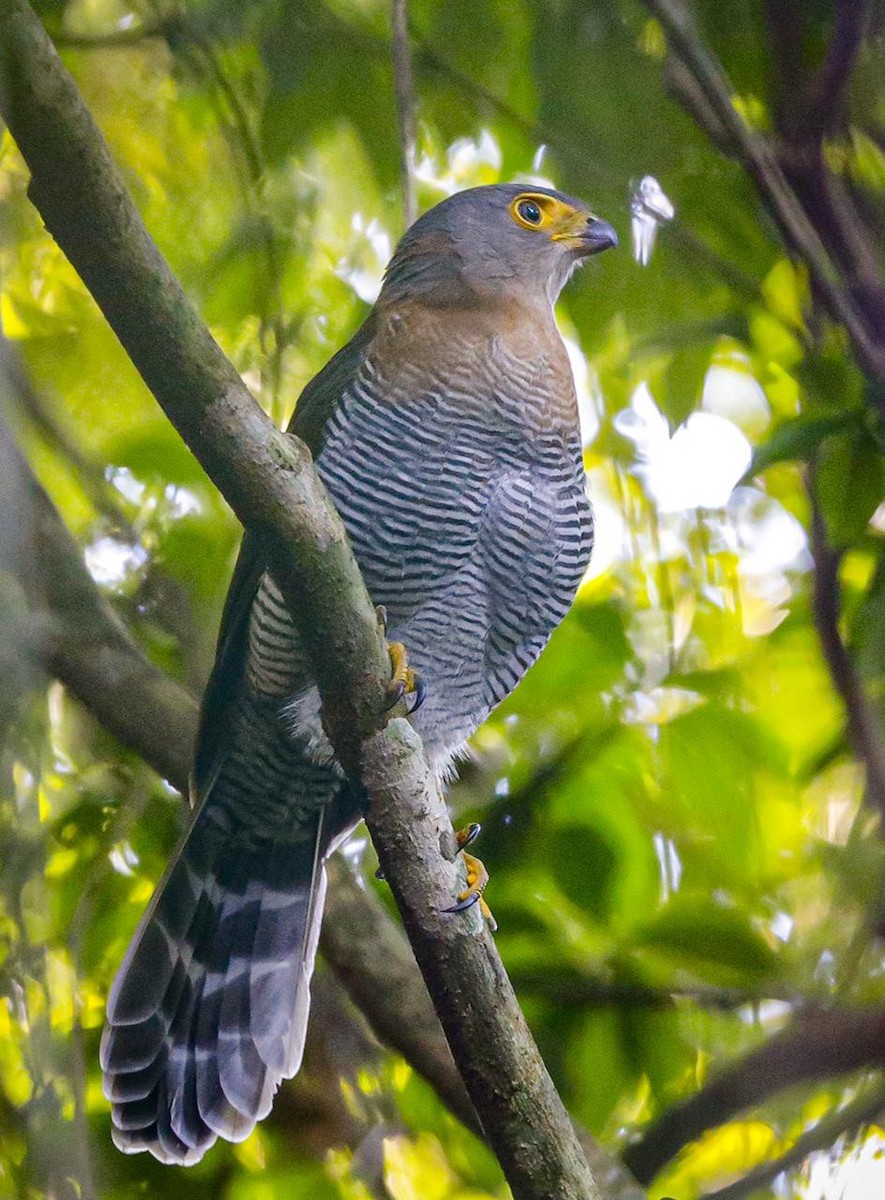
[(473, 534)]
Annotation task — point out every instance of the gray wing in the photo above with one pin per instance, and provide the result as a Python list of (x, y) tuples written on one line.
[(312, 411), (209, 1009)]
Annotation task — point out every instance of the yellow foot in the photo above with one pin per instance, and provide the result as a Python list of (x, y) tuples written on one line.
[(477, 878), (404, 679)]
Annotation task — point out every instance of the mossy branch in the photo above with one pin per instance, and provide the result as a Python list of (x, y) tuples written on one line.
[(269, 480)]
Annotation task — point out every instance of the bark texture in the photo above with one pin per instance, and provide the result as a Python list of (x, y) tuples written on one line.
[(269, 480)]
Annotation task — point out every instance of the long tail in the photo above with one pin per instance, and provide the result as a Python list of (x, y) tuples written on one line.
[(209, 1009)]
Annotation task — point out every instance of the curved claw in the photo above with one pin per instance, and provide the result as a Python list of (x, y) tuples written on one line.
[(405, 679), (420, 694), (477, 878), (466, 837)]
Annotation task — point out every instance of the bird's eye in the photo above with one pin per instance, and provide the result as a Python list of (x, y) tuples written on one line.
[(533, 211), (530, 212)]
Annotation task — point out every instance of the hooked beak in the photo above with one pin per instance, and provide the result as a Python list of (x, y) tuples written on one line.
[(596, 236), (585, 234)]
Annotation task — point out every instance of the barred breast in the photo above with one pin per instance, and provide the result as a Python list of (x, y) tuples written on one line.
[(462, 491)]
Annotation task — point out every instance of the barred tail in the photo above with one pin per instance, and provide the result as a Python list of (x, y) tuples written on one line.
[(209, 1009)]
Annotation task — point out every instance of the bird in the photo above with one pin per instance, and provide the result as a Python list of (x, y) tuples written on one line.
[(446, 433)]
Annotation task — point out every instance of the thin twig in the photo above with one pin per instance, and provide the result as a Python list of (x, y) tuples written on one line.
[(761, 163), (853, 1116), (864, 729), (271, 320), (578, 154), (571, 150), (404, 87), (817, 1045), (826, 95)]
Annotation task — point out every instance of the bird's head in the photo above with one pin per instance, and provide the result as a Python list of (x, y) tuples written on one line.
[(502, 241)]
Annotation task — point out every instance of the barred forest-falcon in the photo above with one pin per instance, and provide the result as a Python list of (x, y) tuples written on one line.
[(446, 433)]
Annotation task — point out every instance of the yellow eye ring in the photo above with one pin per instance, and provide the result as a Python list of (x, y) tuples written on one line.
[(533, 211)]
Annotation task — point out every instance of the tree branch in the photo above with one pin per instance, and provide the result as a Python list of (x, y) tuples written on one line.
[(404, 87), (575, 987), (816, 1046), (269, 480), (77, 637), (864, 730), (762, 165), (853, 1116), (80, 636), (825, 98), (805, 109)]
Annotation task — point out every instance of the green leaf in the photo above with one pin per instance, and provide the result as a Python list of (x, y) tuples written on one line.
[(599, 1066), (700, 933), (584, 864), (679, 386), (154, 450), (800, 438), (850, 485), (710, 763)]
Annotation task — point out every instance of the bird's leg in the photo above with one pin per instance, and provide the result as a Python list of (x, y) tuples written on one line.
[(404, 678), (477, 877)]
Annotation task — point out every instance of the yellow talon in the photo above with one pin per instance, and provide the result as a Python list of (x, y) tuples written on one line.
[(404, 678), (399, 662), (477, 875), (477, 879)]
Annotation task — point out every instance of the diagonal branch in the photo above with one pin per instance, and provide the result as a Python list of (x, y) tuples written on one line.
[(806, 109), (404, 87), (810, 105), (269, 480), (864, 728), (816, 1046), (779, 198), (75, 636), (827, 92), (829, 1129)]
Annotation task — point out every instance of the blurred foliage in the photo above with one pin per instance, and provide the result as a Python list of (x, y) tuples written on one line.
[(672, 817)]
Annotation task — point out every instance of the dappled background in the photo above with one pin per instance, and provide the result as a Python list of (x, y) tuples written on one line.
[(680, 803)]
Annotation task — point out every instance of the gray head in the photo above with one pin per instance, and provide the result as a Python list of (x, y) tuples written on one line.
[(492, 243)]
